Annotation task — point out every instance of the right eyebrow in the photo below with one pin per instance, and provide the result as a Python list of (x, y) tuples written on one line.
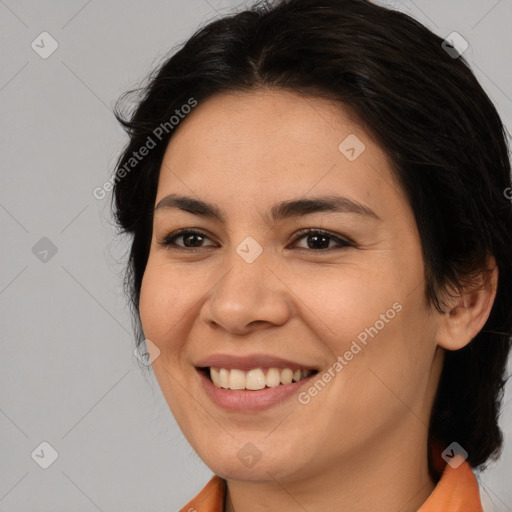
[(279, 211)]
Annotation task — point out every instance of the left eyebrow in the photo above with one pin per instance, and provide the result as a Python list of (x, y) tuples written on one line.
[(279, 211)]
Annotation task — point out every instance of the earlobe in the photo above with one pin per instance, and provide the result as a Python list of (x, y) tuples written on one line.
[(469, 309)]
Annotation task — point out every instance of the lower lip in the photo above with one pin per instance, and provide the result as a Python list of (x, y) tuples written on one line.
[(248, 400)]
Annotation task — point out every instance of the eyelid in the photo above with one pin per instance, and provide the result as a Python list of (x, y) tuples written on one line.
[(341, 240), (166, 241)]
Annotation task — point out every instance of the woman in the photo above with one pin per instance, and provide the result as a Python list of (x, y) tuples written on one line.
[(321, 258)]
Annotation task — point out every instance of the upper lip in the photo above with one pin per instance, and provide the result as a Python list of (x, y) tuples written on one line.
[(249, 362)]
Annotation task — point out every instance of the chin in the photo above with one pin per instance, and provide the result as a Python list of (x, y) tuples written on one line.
[(268, 470)]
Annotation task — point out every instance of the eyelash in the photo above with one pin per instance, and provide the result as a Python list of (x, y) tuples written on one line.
[(168, 241)]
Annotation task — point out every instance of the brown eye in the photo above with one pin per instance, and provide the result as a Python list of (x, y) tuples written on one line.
[(318, 239), (191, 239)]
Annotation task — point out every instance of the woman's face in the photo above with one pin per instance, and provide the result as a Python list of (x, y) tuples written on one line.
[(349, 305)]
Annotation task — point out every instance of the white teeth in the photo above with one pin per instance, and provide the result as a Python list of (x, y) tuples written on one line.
[(286, 376), (215, 376), (224, 378), (273, 377), (256, 378), (236, 379)]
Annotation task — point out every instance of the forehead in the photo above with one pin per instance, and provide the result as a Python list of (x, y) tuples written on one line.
[(266, 145), (250, 121)]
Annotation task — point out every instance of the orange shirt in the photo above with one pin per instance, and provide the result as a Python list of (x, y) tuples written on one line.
[(456, 491)]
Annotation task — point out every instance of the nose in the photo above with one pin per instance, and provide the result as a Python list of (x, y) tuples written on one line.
[(249, 296)]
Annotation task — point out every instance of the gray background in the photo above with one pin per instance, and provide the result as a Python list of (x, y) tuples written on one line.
[(68, 375)]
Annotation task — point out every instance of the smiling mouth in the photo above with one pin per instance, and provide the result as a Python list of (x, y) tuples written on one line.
[(254, 379)]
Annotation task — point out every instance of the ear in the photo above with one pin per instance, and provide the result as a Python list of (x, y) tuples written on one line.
[(469, 309)]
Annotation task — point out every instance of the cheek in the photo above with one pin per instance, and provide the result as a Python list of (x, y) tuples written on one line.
[(161, 309), (149, 305), (376, 312), (169, 298), (160, 302), (344, 301)]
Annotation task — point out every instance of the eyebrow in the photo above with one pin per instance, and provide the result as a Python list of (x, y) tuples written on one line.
[(279, 211)]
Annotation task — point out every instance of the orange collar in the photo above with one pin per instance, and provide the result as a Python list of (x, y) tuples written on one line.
[(210, 499), (456, 491)]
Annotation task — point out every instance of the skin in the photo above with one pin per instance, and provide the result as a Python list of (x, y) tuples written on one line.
[(361, 443)]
